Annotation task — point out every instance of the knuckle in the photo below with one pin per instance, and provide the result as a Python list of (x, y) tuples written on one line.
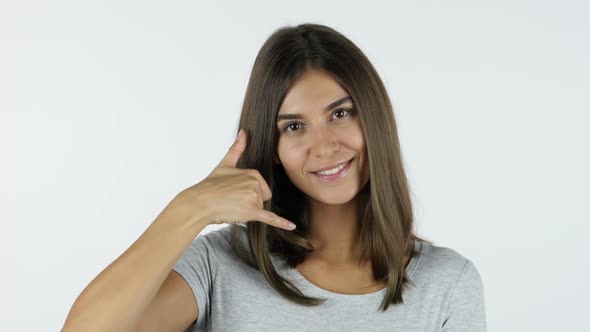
[(253, 194), (252, 172), (248, 177), (254, 185)]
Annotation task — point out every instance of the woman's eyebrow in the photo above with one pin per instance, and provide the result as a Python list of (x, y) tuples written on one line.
[(327, 108)]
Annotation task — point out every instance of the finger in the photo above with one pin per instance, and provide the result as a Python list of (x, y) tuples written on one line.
[(265, 190), (273, 219), (235, 151)]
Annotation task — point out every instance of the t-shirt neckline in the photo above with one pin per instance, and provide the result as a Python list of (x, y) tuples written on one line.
[(324, 292)]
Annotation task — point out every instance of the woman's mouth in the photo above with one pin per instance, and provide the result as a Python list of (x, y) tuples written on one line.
[(335, 173)]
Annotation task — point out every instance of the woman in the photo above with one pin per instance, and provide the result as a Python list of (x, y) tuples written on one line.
[(318, 147)]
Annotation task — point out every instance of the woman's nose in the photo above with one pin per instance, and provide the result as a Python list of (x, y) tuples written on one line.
[(324, 143)]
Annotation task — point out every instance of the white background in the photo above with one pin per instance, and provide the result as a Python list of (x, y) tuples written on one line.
[(108, 109)]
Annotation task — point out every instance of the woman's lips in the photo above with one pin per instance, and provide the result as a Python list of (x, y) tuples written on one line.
[(336, 176), (331, 167)]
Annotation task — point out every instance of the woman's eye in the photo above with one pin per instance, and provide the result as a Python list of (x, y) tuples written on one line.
[(342, 110), (289, 126), (346, 112)]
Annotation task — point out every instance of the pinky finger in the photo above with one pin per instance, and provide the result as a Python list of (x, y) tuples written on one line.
[(275, 220)]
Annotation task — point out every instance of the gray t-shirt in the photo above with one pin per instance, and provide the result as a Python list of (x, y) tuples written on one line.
[(232, 296)]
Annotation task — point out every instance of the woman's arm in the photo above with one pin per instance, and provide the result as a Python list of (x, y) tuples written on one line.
[(118, 297)]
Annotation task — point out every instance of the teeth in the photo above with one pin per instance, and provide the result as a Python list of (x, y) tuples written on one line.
[(333, 170)]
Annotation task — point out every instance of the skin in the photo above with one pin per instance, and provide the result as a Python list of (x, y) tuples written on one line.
[(319, 139)]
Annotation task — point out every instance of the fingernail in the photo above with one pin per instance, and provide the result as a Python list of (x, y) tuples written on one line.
[(291, 225)]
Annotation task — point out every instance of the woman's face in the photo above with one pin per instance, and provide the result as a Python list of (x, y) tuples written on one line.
[(313, 137)]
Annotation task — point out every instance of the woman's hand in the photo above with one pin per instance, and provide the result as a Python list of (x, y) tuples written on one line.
[(229, 194)]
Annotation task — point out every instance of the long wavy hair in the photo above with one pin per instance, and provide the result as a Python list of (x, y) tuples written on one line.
[(385, 213)]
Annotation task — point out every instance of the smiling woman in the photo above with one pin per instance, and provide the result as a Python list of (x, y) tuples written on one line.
[(318, 146), (322, 134), (328, 106)]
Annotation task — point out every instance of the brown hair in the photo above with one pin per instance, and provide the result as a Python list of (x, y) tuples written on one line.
[(386, 229)]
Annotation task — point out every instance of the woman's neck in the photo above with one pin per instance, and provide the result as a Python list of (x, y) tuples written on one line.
[(334, 232)]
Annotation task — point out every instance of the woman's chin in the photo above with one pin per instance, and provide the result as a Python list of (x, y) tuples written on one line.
[(333, 196)]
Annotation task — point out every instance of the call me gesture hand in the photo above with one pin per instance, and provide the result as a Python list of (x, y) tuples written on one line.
[(231, 195)]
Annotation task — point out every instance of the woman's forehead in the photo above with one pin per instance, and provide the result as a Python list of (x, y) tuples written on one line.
[(312, 92)]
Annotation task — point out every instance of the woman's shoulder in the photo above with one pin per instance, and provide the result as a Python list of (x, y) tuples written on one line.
[(221, 237), (453, 279), (441, 262), (217, 242)]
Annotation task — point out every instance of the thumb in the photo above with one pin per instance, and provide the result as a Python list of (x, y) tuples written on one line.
[(235, 151)]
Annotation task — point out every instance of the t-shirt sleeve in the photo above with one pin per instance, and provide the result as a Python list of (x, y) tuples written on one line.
[(199, 266), (466, 309)]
